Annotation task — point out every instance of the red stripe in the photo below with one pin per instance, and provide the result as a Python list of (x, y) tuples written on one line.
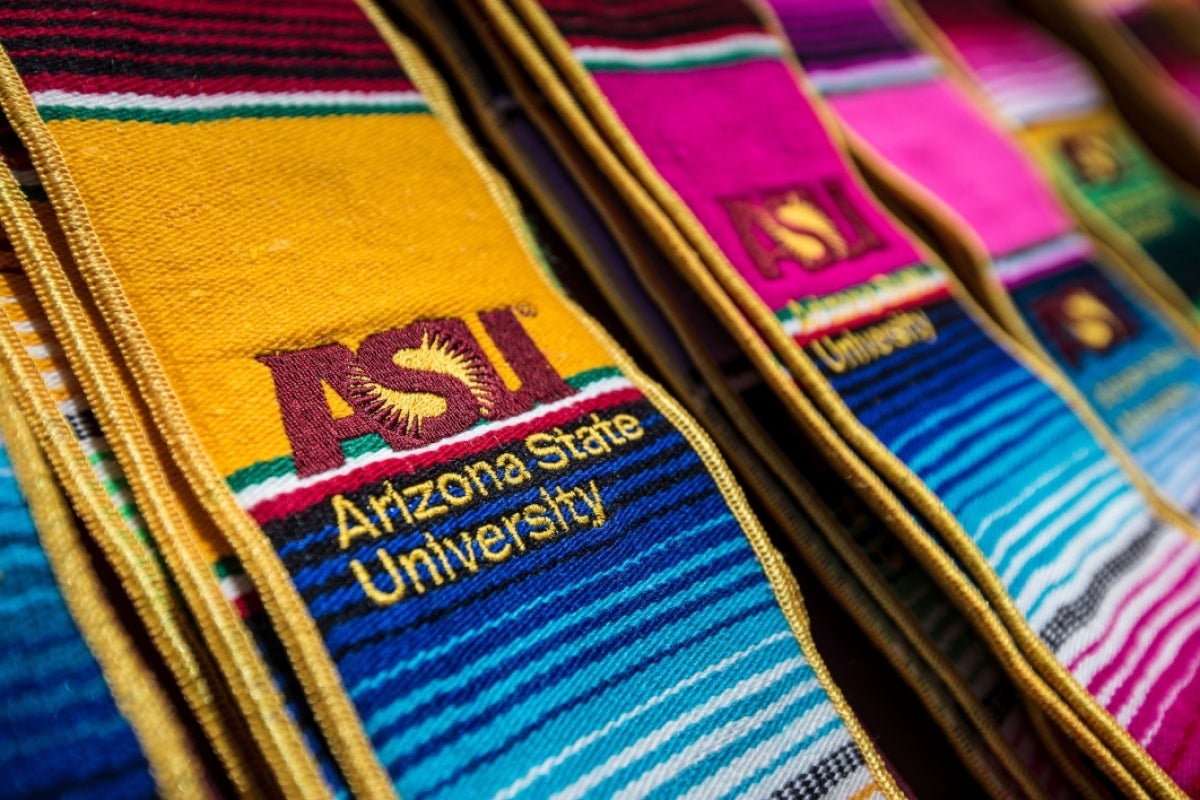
[(89, 84), (122, 36), (866, 319), (266, 10), (280, 61), (121, 20), (306, 497)]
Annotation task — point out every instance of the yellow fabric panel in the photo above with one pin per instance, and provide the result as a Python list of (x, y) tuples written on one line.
[(381, 261)]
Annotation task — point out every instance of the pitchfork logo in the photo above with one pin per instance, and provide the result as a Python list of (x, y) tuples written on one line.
[(814, 225), (412, 385)]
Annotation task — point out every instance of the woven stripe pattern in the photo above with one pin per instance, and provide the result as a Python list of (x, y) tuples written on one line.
[(61, 734)]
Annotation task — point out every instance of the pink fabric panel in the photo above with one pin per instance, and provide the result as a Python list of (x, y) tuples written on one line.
[(733, 130), (933, 135)]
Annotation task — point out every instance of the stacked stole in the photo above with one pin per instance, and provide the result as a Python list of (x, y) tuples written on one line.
[(93, 478), (1052, 98), (528, 570), (1168, 31), (62, 734), (857, 559), (1045, 519), (1116, 343)]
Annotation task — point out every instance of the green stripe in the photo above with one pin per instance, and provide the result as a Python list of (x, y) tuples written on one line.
[(231, 112), (585, 379), (228, 566), (599, 64)]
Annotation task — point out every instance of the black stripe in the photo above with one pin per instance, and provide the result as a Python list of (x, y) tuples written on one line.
[(112, 47), (820, 779), (1076, 614), (88, 66)]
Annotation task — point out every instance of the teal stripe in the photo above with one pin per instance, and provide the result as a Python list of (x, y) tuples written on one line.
[(586, 720), (735, 56), (496, 658), (183, 116), (632, 653), (547, 599)]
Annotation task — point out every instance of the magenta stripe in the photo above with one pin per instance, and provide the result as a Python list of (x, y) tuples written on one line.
[(1125, 690), (1129, 598), (1177, 715), (1108, 670)]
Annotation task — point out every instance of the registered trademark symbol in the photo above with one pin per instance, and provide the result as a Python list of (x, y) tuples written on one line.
[(526, 310)]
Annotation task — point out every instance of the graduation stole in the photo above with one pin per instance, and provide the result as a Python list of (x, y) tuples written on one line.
[(898, 368), (471, 521), (188, 589), (1131, 355), (902, 610), (1059, 108), (81, 712)]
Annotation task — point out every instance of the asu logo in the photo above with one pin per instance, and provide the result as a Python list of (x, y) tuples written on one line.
[(413, 386), (814, 226), (1085, 315), (1094, 157)]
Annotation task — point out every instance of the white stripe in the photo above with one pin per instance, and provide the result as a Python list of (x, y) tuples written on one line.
[(1029, 491), (892, 72), (733, 774), (1172, 615), (1112, 508), (1114, 641), (30, 326), (545, 767), (648, 744), (1014, 268), (1078, 574), (1049, 508), (275, 486), (1152, 674), (1160, 712), (201, 102), (603, 55), (42, 351), (52, 379), (859, 305), (234, 587), (716, 740)]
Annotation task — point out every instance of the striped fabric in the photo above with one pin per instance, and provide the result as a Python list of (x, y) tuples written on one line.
[(61, 734), (1028, 74), (1073, 542), (1044, 89), (28, 319), (645, 654), (968, 655), (620, 637), (163, 61), (679, 32), (851, 46), (1145, 384)]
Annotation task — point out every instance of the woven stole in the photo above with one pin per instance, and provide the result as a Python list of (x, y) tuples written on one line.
[(1111, 340), (1165, 35), (48, 368), (501, 560), (1047, 93), (879, 585), (63, 730), (749, 175)]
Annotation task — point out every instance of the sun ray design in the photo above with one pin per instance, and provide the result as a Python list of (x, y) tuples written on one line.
[(407, 412)]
